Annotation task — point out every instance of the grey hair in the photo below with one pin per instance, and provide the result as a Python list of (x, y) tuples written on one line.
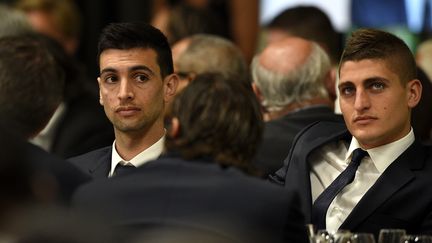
[(13, 22), (213, 54), (299, 85)]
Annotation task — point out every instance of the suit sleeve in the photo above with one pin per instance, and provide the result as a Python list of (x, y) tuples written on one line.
[(279, 176)]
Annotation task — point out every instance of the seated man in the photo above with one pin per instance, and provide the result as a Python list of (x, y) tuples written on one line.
[(387, 183), (31, 89), (135, 84), (201, 185)]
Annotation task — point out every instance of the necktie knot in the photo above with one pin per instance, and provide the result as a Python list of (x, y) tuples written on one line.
[(123, 168), (358, 155)]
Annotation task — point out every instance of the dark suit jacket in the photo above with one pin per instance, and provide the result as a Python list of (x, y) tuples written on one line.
[(83, 128), (67, 176), (96, 163), (279, 135), (400, 198), (197, 195)]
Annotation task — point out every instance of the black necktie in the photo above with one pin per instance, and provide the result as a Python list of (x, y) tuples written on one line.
[(123, 168), (321, 204)]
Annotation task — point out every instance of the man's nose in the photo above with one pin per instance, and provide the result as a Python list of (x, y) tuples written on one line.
[(126, 90), (362, 100)]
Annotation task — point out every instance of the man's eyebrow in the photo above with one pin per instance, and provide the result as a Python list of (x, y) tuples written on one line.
[(134, 68), (142, 67), (375, 79), (345, 84), (108, 70)]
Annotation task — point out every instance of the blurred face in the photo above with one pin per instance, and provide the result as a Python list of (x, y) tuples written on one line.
[(375, 105), (132, 90), (44, 23)]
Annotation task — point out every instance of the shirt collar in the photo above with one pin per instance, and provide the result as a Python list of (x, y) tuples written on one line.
[(45, 138), (151, 153), (384, 155)]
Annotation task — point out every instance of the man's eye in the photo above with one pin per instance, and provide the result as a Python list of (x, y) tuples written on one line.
[(110, 79), (378, 86), (141, 78), (347, 91)]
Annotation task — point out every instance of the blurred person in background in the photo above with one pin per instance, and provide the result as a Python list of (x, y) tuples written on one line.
[(421, 117), (12, 22), (79, 124), (238, 19), (59, 19), (423, 57), (288, 80), (185, 20), (202, 53), (313, 24), (31, 89)]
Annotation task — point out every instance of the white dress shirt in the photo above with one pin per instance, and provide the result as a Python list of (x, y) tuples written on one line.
[(45, 138), (330, 160), (151, 153)]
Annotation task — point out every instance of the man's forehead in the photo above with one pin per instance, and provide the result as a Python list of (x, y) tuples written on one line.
[(128, 57)]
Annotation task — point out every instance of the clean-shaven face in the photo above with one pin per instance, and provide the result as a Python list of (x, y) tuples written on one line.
[(375, 104), (131, 89)]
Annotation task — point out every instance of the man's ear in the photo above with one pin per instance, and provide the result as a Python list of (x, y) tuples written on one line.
[(170, 86), (100, 94), (414, 89), (174, 129), (257, 92), (330, 83)]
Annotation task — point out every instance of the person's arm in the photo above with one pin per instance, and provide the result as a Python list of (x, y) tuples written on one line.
[(244, 25)]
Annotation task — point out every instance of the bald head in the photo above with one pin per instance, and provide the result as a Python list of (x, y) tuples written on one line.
[(209, 53), (177, 49), (290, 71), (286, 55)]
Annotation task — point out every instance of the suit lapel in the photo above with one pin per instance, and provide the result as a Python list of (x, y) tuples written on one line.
[(102, 165), (398, 174), (298, 169)]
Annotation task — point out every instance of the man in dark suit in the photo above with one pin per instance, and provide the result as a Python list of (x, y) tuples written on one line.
[(79, 124), (31, 85), (202, 185), (390, 188), (136, 81), (292, 93)]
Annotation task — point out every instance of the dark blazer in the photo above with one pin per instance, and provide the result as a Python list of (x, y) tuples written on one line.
[(67, 176), (400, 198), (83, 128), (279, 135), (96, 164), (197, 195)]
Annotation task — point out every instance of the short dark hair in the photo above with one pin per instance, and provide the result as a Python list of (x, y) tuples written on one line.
[(310, 23), (186, 20), (376, 44), (219, 118), (130, 35), (31, 83)]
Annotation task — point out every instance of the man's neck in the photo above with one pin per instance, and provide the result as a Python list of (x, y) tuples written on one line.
[(272, 115), (130, 144)]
